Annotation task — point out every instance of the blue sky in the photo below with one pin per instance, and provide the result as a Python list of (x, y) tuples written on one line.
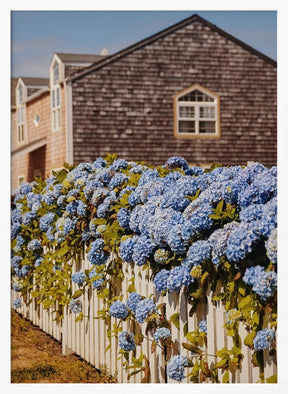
[(36, 35)]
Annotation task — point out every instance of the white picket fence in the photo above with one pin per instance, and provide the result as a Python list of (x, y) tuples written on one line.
[(88, 338)]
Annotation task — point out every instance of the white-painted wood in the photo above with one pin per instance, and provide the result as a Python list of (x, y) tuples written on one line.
[(88, 338)]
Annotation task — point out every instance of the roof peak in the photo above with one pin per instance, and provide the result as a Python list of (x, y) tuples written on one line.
[(170, 29)]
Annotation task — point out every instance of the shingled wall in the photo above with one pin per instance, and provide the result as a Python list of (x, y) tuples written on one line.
[(127, 106)]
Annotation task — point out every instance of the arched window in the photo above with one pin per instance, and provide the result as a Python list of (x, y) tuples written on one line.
[(196, 113)]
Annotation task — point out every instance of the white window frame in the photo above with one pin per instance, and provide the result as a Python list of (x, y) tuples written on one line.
[(196, 105), (35, 121), (56, 107), (21, 112), (21, 179)]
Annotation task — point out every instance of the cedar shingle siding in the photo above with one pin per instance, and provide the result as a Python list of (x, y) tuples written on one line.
[(126, 107)]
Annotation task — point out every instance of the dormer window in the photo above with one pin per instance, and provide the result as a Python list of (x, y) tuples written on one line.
[(20, 98), (196, 112), (20, 93), (56, 108), (56, 73), (55, 78)]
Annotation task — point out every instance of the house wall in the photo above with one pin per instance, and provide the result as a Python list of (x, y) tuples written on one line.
[(127, 106), (54, 153)]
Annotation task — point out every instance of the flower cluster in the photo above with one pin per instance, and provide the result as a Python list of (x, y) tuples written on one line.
[(75, 305), (175, 367), (263, 282), (119, 310), (264, 339), (126, 341), (78, 277), (162, 333)]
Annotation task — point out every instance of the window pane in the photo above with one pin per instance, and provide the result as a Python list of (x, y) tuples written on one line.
[(58, 118), (207, 112), (53, 98), (56, 72), (54, 120), (20, 90), (206, 127), (186, 126), (58, 97), (187, 112), (197, 96)]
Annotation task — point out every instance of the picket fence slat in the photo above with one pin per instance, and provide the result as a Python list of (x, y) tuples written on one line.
[(88, 338)]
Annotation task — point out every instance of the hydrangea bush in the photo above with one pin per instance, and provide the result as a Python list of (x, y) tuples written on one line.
[(195, 230)]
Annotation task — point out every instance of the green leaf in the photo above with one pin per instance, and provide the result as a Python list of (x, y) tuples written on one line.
[(256, 318), (225, 378), (244, 302), (185, 329), (175, 319), (272, 379), (249, 339), (80, 317), (192, 348), (77, 293), (61, 252)]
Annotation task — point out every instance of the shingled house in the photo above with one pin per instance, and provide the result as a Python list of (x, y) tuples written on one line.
[(191, 90)]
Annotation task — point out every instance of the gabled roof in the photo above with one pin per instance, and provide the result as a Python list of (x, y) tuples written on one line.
[(79, 58), (31, 81), (13, 91), (161, 34)]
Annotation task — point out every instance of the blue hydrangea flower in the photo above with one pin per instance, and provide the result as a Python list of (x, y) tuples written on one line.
[(133, 300), (123, 217), (126, 248), (46, 220), (264, 339), (78, 277), (75, 305), (240, 242), (202, 325), (99, 163), (126, 341), (271, 246), (162, 333), (28, 217), (38, 261), (97, 283), (17, 286), (175, 367), (119, 310), (177, 162), (264, 283), (17, 303), (15, 261), (15, 229), (143, 309), (34, 245), (68, 226), (117, 180), (178, 277), (142, 250), (119, 164), (96, 254), (160, 280), (197, 253)]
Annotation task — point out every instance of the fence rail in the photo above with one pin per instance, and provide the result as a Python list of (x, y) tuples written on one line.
[(88, 338)]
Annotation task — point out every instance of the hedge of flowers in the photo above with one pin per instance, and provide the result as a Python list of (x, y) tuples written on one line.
[(193, 229)]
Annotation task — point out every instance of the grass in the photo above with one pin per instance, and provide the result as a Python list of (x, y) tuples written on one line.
[(36, 357)]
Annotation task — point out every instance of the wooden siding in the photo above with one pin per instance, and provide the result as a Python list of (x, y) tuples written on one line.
[(126, 107)]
